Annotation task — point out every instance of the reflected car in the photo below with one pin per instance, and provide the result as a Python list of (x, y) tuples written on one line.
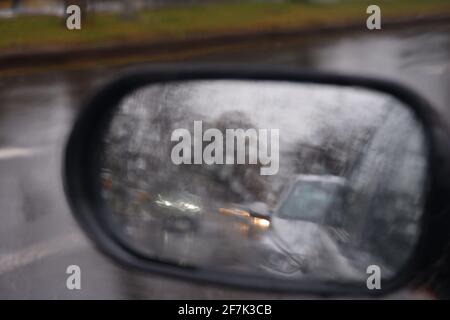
[(252, 219), (299, 241), (180, 212)]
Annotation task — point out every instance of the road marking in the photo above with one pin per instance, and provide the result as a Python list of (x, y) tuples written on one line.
[(11, 153), (23, 257)]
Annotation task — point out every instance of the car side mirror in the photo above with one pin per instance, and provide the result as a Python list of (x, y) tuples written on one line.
[(158, 155)]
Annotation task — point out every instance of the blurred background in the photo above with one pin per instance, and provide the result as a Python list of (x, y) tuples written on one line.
[(47, 71)]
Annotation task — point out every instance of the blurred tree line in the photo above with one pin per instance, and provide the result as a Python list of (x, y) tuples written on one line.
[(127, 9)]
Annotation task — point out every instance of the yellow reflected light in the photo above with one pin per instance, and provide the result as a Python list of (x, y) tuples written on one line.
[(235, 212), (262, 223)]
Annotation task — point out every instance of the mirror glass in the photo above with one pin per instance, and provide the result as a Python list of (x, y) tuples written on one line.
[(282, 179)]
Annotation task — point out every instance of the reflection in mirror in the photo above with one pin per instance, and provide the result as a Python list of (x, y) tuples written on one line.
[(320, 181)]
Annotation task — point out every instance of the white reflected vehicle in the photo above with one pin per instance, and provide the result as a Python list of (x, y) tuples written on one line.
[(303, 237)]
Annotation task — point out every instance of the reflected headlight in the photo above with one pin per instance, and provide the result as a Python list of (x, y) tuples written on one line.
[(180, 205), (234, 212), (262, 223), (188, 206), (163, 203)]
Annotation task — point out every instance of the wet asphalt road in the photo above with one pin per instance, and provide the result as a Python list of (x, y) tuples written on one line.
[(38, 236)]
